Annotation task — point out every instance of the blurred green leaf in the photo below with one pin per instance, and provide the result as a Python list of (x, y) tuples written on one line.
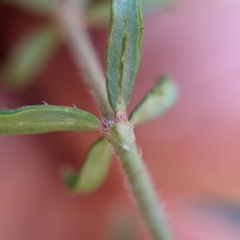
[(29, 56), (45, 118), (123, 51), (94, 170), (156, 102)]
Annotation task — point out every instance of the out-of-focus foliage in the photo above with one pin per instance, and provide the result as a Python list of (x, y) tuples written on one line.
[(29, 55)]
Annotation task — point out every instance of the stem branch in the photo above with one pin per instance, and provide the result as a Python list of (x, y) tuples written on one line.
[(121, 134), (72, 22)]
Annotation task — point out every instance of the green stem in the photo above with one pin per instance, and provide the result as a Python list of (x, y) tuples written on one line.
[(119, 132), (74, 29), (123, 141)]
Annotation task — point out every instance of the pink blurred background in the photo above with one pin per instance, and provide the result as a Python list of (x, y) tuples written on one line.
[(192, 152)]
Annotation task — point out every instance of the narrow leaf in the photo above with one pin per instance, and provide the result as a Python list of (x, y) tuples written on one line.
[(29, 56), (156, 102), (94, 170), (42, 119), (123, 51)]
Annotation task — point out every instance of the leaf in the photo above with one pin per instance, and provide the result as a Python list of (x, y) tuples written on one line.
[(123, 51), (29, 56), (94, 170), (156, 102), (42, 119)]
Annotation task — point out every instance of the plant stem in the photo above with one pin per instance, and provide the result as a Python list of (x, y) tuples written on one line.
[(123, 141), (72, 22), (120, 135)]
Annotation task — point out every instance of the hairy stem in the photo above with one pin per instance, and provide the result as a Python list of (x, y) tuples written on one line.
[(120, 135), (123, 141), (72, 23)]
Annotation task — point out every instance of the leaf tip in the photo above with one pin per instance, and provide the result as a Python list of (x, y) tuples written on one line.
[(69, 178)]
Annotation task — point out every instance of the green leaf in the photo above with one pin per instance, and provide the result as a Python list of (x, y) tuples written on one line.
[(156, 102), (94, 170), (123, 51), (47, 118), (29, 56)]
